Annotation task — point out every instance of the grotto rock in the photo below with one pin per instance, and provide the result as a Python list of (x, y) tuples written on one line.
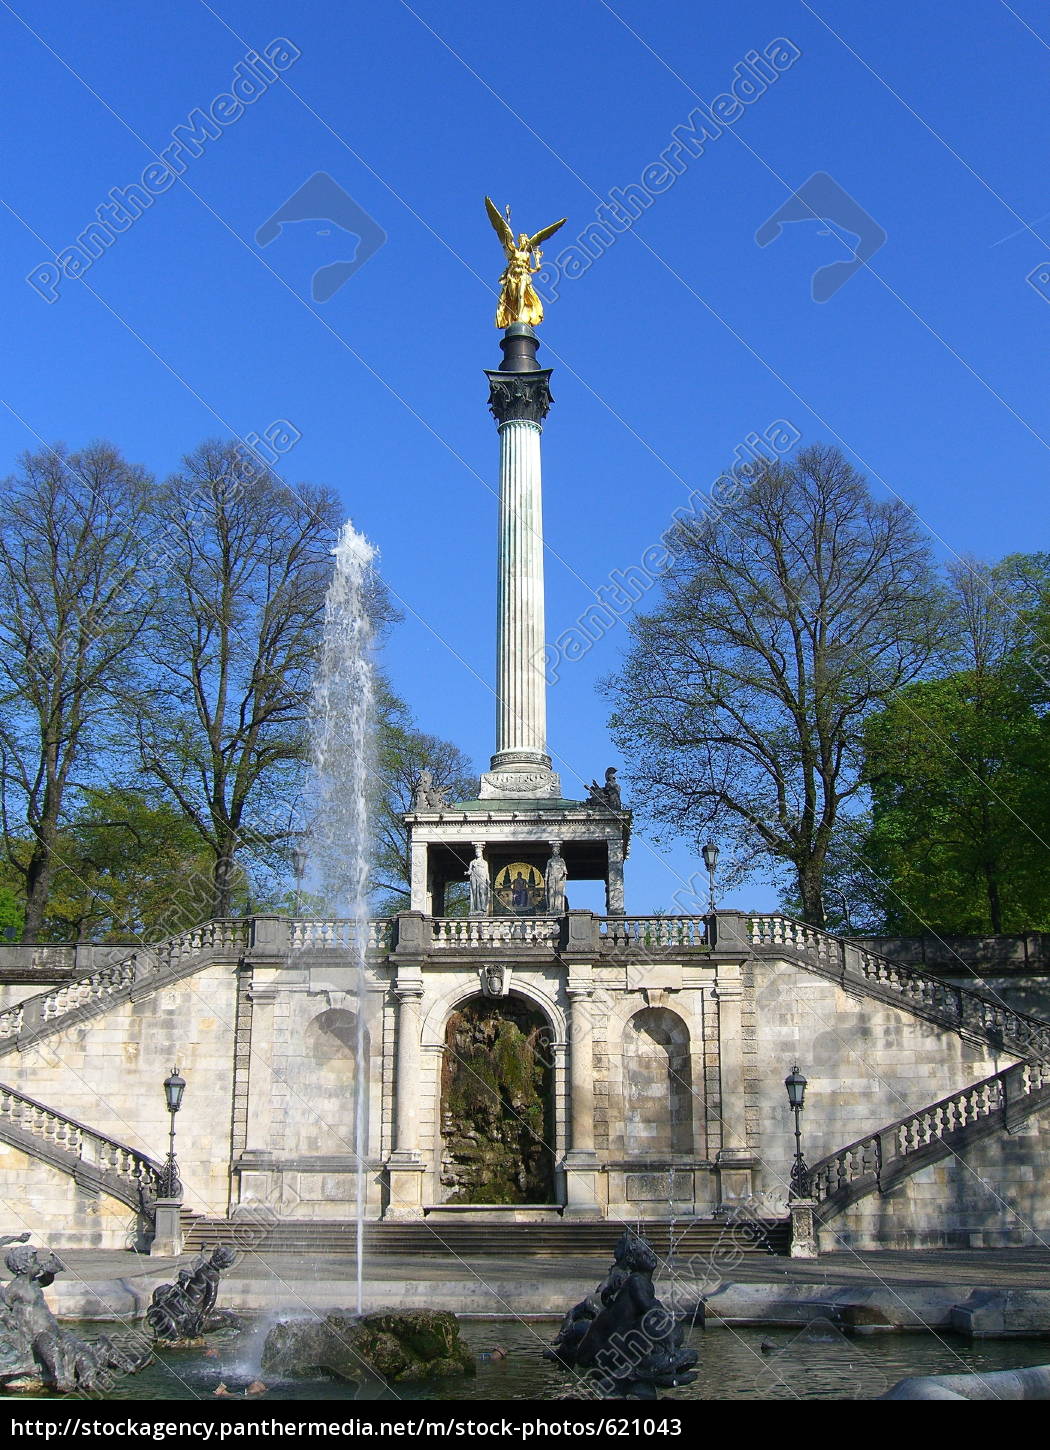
[(394, 1346)]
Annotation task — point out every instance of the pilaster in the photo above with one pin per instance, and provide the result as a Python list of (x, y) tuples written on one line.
[(581, 1164), (735, 1159), (405, 1164)]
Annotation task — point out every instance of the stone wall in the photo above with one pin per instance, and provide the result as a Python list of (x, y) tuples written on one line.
[(867, 1063), (108, 1072), (1029, 951), (48, 1204), (995, 1193), (1024, 991)]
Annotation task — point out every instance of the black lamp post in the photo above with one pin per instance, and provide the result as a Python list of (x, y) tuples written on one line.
[(710, 855), (796, 1091), (174, 1087), (300, 856)]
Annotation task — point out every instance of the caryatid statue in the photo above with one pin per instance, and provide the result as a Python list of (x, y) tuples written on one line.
[(518, 299), (554, 879), (480, 888)]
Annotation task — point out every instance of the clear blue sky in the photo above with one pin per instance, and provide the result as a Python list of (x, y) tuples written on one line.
[(928, 367)]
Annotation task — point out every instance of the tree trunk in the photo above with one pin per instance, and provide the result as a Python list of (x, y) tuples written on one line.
[(810, 887), (222, 881), (38, 888)]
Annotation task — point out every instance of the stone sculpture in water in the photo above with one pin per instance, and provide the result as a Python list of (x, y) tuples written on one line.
[(37, 1353), (628, 1345)]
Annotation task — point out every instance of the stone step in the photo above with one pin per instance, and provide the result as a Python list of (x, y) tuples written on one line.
[(575, 1239)]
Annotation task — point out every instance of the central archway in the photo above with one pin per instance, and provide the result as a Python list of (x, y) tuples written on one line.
[(497, 1104)]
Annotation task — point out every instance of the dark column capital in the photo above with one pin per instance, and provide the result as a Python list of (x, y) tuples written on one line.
[(520, 397)]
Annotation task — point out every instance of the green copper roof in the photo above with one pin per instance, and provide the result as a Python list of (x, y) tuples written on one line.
[(529, 803)]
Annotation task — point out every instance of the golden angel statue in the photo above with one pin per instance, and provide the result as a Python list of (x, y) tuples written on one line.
[(518, 300)]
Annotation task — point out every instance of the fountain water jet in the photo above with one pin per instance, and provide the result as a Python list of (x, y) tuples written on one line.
[(342, 754)]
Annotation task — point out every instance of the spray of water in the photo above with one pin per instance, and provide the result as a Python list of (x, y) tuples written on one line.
[(342, 750)]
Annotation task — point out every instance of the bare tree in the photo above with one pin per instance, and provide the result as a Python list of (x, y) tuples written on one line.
[(73, 601), (404, 752), (233, 643), (784, 621)]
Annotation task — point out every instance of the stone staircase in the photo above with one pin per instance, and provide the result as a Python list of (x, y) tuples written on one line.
[(879, 1161), (95, 1161), (973, 1014), (469, 1241), (143, 971)]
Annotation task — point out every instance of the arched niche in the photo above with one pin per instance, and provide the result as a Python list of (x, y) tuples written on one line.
[(497, 1103), (327, 1083), (657, 1084)]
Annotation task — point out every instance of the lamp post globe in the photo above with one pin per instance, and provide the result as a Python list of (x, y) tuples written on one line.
[(796, 1088), (710, 855), (174, 1087)]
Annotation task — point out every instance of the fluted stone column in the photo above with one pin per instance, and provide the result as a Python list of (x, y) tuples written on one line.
[(519, 396), (521, 719), (405, 1164)]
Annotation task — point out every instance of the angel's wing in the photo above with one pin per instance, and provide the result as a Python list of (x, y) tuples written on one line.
[(547, 232), (500, 226)]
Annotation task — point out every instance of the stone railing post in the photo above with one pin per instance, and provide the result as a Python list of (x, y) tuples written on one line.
[(167, 1236), (269, 937), (582, 934), (730, 931), (411, 933), (804, 1241)]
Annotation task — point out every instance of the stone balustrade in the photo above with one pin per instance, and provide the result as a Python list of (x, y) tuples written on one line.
[(48, 1010), (454, 932), (344, 933), (644, 933), (959, 1006), (864, 1165)]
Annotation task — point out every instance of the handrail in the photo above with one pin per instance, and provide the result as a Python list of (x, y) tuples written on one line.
[(653, 931), (46, 1010), (963, 1007), (309, 933), (125, 1173), (450, 932), (862, 1166)]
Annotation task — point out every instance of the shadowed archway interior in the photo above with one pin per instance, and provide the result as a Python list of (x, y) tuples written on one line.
[(497, 1119)]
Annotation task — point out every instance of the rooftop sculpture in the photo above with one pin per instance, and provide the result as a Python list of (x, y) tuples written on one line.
[(518, 299)]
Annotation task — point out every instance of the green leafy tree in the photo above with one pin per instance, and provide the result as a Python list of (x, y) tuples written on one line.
[(785, 620), (73, 604), (133, 868), (959, 769)]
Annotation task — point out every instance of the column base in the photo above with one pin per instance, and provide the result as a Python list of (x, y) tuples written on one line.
[(167, 1238), (522, 773), (581, 1168), (404, 1173)]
